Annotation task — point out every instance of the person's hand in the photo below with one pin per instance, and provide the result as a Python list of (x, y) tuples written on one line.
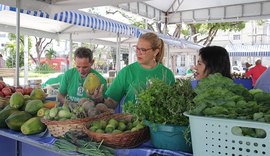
[(97, 95)]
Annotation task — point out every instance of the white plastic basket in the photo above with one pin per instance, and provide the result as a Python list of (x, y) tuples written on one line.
[(213, 137)]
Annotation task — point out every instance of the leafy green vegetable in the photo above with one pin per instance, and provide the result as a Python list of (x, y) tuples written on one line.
[(219, 96), (162, 103)]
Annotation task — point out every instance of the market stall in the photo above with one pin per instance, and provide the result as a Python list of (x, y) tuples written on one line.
[(25, 134)]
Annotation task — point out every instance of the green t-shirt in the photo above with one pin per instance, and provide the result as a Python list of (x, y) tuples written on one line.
[(133, 78), (72, 84)]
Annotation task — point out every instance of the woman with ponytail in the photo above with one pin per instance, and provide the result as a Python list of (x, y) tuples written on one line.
[(134, 77)]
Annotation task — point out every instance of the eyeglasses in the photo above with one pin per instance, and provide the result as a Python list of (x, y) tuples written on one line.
[(141, 50)]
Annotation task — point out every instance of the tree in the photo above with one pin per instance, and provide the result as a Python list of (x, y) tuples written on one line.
[(10, 48), (209, 30), (41, 44), (50, 53)]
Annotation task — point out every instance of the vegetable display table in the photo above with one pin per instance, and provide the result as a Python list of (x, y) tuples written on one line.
[(247, 83), (16, 144)]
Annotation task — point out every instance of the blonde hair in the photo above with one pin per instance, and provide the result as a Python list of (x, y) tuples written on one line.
[(156, 43)]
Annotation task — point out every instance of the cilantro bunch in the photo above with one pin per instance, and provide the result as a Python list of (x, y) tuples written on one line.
[(162, 103)]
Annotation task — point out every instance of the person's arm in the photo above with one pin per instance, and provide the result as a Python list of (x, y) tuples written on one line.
[(61, 98), (62, 89)]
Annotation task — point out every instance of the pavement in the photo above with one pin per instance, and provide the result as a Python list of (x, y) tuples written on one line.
[(24, 81)]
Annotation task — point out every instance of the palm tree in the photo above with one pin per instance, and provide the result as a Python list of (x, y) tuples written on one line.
[(50, 53)]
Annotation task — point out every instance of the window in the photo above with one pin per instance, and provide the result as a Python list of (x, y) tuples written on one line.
[(183, 61), (236, 37)]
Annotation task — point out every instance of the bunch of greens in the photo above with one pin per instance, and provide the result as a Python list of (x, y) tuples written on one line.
[(74, 141), (219, 96), (162, 103)]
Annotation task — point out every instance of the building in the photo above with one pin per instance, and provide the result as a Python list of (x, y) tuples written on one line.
[(255, 35)]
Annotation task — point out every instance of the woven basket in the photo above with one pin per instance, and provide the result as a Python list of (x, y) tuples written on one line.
[(59, 128), (120, 140)]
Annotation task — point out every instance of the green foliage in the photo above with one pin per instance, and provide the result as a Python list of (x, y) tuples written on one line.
[(50, 53), (10, 48), (260, 22), (44, 68), (139, 24), (225, 26), (208, 31), (219, 96), (162, 103)]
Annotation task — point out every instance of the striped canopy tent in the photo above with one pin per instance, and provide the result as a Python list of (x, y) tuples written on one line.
[(94, 27), (248, 50), (78, 26), (72, 25)]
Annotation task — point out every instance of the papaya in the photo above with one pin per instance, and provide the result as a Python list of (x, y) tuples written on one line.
[(4, 114), (16, 100), (33, 126), (38, 94), (91, 82), (33, 106), (17, 119)]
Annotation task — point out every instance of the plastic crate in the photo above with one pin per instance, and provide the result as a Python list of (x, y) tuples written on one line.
[(213, 137)]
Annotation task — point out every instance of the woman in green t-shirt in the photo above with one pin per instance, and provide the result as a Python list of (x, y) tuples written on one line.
[(134, 77)]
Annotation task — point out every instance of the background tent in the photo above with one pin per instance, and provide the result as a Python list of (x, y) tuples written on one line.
[(249, 50)]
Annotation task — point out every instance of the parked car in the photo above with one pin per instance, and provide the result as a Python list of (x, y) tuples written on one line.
[(237, 69)]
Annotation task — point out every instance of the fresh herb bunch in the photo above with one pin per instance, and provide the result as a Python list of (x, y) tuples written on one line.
[(162, 103)]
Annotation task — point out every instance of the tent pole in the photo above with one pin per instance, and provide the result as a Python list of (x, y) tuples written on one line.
[(26, 59), (17, 80), (118, 53), (130, 54), (70, 51), (168, 56)]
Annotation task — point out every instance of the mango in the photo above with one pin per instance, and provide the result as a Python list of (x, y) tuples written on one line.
[(91, 83)]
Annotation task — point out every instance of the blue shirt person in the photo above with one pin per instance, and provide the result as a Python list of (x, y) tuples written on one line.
[(263, 82)]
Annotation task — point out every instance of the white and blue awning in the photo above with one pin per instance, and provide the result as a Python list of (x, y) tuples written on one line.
[(86, 26), (177, 42), (37, 13), (96, 22), (248, 50)]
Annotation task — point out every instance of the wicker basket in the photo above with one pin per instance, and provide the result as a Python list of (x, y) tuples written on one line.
[(59, 128), (120, 140)]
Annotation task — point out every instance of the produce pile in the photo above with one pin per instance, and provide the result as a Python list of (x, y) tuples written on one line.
[(218, 96), (70, 110), (116, 126), (7, 91), (163, 103), (20, 114)]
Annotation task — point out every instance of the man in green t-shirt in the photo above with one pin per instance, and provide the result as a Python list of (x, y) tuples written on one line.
[(72, 82)]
